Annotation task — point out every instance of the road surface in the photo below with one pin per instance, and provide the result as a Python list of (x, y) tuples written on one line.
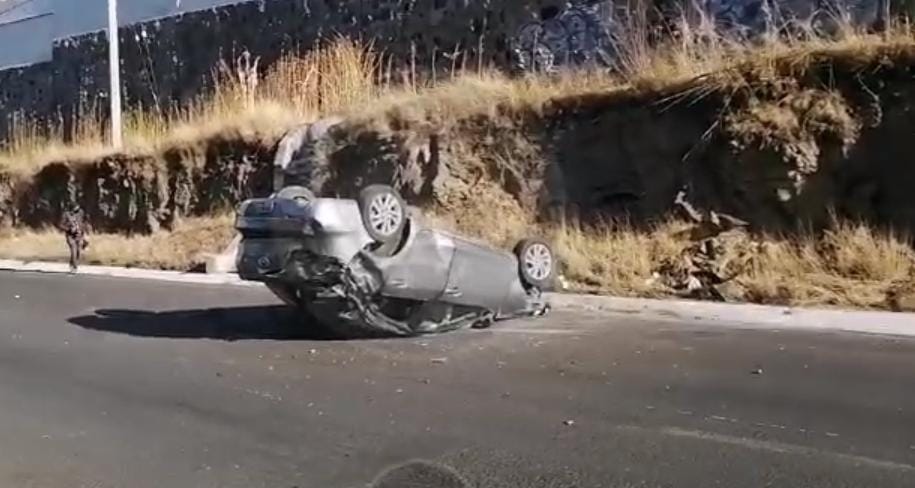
[(120, 383)]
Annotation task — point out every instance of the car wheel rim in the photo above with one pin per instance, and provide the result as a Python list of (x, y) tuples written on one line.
[(385, 214), (538, 261)]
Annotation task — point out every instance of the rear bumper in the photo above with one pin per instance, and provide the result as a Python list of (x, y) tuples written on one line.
[(288, 262), (265, 259)]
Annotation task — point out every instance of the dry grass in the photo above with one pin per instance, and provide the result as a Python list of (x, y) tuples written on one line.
[(242, 106), (850, 265), (327, 80), (616, 259), (180, 249), (266, 121)]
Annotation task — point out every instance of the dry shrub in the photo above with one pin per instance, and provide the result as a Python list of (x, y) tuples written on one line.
[(488, 94), (327, 79), (850, 265), (180, 249), (859, 252), (617, 258), (795, 124)]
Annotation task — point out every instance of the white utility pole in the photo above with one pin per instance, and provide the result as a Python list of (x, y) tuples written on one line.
[(114, 66)]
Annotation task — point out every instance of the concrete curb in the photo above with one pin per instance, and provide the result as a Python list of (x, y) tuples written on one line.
[(747, 316), (707, 313), (133, 273)]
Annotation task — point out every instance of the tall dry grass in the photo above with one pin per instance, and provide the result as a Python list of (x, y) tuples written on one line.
[(244, 102), (185, 247), (849, 265)]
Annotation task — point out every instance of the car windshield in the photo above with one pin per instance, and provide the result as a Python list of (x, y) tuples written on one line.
[(469, 244)]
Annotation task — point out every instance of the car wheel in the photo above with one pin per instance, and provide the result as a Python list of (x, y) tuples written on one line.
[(384, 213), (536, 263), (297, 193)]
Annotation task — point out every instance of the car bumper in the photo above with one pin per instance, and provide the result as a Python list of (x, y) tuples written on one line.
[(287, 261)]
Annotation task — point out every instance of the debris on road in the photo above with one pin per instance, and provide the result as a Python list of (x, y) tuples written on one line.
[(439, 360), (568, 423), (757, 371)]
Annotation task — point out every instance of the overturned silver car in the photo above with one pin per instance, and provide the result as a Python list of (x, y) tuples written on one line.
[(369, 266)]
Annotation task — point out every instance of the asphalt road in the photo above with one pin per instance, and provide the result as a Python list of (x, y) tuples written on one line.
[(118, 383)]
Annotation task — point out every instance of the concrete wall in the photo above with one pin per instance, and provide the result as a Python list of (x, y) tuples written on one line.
[(28, 31), (82, 16), (170, 60), (15, 52)]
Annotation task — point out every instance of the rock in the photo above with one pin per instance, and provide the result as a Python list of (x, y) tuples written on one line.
[(687, 208), (288, 147), (299, 158)]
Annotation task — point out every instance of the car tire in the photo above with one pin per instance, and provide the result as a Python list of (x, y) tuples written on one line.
[(298, 193), (536, 263), (384, 213)]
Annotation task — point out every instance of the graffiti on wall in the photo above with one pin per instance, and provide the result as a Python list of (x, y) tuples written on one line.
[(577, 35), (582, 33), (755, 18)]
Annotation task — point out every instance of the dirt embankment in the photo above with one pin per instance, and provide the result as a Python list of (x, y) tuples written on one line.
[(778, 147), (141, 193)]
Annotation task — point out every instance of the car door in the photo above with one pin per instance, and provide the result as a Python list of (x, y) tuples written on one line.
[(420, 271), (479, 276)]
